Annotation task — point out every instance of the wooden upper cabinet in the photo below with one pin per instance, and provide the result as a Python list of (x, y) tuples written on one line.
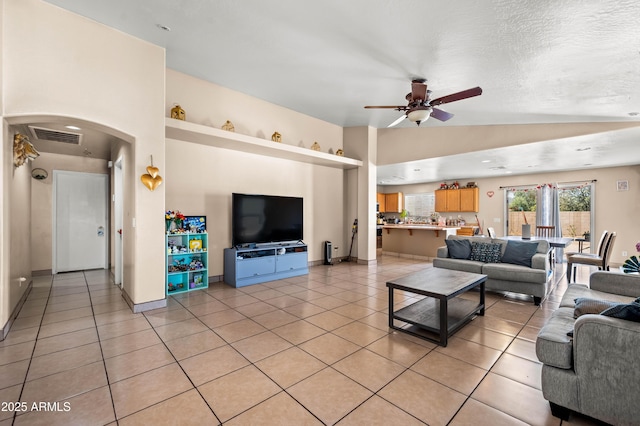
[(453, 200), (457, 200), (469, 199), (382, 204), (441, 200), (393, 202)]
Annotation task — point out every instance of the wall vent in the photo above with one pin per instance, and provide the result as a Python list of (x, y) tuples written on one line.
[(55, 135)]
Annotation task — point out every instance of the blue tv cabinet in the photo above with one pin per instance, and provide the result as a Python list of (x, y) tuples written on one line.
[(246, 266)]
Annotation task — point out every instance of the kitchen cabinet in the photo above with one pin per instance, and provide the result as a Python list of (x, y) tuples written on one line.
[(382, 204), (469, 200), (457, 200), (393, 203)]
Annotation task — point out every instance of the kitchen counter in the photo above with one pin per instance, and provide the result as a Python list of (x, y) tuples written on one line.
[(415, 240)]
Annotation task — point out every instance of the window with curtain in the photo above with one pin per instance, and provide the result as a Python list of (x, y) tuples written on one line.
[(568, 206)]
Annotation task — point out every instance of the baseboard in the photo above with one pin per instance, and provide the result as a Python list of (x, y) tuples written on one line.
[(215, 278), (142, 307), (4, 331), (41, 273)]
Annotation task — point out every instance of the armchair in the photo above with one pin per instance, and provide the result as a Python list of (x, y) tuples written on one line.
[(597, 371)]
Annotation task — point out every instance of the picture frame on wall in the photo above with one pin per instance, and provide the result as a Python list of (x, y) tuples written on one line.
[(622, 185)]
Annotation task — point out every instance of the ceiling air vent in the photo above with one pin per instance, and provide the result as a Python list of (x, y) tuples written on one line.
[(55, 135)]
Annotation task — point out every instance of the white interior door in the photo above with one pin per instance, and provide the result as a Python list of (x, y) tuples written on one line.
[(80, 225)]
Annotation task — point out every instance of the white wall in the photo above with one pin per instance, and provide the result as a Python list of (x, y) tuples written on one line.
[(58, 64), (614, 210), (201, 180)]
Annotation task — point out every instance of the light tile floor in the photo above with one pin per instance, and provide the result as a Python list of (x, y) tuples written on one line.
[(307, 350)]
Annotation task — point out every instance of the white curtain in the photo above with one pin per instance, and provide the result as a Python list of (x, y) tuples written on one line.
[(548, 207)]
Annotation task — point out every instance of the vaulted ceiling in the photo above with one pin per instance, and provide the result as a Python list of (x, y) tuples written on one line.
[(537, 61)]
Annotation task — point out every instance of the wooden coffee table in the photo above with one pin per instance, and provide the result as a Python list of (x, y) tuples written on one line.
[(441, 313)]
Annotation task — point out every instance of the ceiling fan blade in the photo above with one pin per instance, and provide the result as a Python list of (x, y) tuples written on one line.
[(418, 90), (476, 91), (441, 115), (399, 108), (402, 117)]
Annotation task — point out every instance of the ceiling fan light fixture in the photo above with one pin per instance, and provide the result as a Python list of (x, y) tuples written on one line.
[(419, 115)]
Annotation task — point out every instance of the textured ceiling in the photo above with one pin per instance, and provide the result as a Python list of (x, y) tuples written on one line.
[(542, 61)]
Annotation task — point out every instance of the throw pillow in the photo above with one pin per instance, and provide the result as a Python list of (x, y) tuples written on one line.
[(585, 305), (626, 311), (519, 252), (486, 252), (459, 249)]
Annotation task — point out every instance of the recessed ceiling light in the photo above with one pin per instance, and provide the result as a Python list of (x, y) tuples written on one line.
[(163, 27), (508, 172), (72, 127), (583, 149), (486, 161)]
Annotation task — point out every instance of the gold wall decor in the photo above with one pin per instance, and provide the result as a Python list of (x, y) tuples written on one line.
[(178, 113), (23, 150), (276, 137), (228, 126), (315, 146), (151, 179), (340, 152)]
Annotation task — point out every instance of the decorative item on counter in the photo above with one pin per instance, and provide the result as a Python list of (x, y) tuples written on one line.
[(178, 113), (471, 185), (174, 220), (23, 150), (455, 185), (151, 179), (315, 146), (340, 152), (276, 137), (444, 185), (632, 265), (228, 126)]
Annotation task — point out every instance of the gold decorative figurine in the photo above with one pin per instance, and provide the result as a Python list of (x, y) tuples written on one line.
[(315, 146), (340, 152), (228, 126), (276, 137), (178, 113)]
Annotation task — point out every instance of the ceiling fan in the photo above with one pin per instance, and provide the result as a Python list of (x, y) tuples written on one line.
[(421, 107)]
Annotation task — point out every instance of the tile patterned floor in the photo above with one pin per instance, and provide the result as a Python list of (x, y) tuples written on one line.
[(302, 351)]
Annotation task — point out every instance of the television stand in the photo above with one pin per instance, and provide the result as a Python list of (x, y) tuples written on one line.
[(254, 265)]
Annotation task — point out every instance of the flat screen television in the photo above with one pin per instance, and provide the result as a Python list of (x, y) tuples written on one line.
[(259, 219)]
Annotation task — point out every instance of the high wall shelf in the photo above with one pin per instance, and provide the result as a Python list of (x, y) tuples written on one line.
[(246, 266), (206, 135), (186, 267)]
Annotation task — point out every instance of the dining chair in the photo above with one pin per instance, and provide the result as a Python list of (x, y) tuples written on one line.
[(602, 262), (599, 252), (545, 231)]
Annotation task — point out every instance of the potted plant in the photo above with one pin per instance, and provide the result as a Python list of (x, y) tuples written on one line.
[(403, 215)]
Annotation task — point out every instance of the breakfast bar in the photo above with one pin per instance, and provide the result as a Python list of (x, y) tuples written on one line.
[(415, 240)]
